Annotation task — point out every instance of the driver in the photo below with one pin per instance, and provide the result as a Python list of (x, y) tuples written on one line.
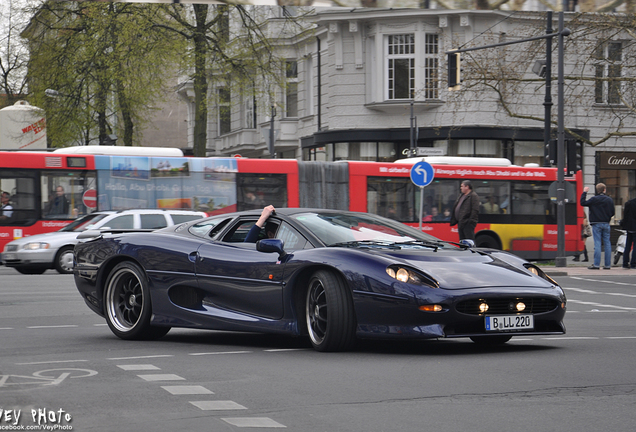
[(252, 235)]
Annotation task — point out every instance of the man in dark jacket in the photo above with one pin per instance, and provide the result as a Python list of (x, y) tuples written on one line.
[(629, 225), (465, 213), (601, 212)]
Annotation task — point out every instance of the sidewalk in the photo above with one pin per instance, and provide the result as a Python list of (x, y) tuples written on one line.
[(578, 268)]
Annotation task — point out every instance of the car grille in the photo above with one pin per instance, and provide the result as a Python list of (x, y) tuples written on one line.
[(11, 248), (506, 305)]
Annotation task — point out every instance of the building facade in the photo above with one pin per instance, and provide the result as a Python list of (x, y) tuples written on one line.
[(370, 84)]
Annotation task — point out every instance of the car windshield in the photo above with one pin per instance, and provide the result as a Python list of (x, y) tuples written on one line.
[(84, 223), (335, 229)]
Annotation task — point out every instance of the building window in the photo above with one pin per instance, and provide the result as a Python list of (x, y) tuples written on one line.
[(249, 104), (400, 70), (291, 90), (309, 86), (225, 117), (431, 67), (608, 72)]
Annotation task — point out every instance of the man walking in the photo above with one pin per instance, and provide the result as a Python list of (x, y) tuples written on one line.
[(465, 212), (601, 212), (629, 225)]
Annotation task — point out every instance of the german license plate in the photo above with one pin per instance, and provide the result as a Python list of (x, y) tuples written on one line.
[(509, 322), (9, 256)]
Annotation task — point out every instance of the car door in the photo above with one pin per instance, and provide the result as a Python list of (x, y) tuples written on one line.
[(238, 277)]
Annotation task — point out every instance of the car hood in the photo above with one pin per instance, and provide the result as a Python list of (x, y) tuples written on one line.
[(470, 269), (54, 236)]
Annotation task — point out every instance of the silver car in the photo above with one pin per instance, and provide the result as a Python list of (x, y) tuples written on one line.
[(35, 254)]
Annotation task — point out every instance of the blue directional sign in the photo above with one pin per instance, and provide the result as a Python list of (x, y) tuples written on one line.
[(422, 174)]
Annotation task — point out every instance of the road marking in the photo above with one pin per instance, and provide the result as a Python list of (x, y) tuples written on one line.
[(603, 281), (217, 405), (584, 291), (219, 352), (50, 326), (187, 390), (287, 349), (140, 357), (52, 361), (255, 422), (161, 377), (621, 337), (622, 308), (6, 328), (138, 367), (571, 338)]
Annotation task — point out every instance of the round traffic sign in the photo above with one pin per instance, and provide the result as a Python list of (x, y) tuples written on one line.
[(90, 198), (422, 174)]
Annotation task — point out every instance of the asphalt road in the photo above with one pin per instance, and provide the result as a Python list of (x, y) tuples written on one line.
[(58, 359)]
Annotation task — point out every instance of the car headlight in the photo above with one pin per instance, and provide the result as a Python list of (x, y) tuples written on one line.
[(36, 246), (537, 271), (406, 275)]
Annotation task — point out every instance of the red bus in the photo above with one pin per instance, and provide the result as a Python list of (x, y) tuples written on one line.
[(518, 211)]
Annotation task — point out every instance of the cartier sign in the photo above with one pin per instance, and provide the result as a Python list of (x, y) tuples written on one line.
[(612, 160)]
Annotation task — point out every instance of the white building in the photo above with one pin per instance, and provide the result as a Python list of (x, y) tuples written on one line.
[(353, 82)]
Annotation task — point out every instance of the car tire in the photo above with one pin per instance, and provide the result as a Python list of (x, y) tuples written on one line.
[(64, 260), (487, 241), (491, 340), (127, 304), (31, 270), (329, 313)]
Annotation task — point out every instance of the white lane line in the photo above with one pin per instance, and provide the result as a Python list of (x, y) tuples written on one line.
[(6, 328), (50, 326), (571, 338), (161, 377), (254, 422), (138, 367), (219, 352), (140, 357), (218, 405), (584, 291), (603, 281), (56, 361), (621, 337), (622, 308), (287, 349), (187, 390)]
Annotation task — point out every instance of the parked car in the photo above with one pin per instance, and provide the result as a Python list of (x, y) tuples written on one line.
[(332, 275), (35, 254)]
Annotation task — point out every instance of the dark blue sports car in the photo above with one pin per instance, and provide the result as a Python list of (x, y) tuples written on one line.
[(332, 275)]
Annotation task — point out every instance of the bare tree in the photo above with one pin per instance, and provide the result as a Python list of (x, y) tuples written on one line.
[(14, 55)]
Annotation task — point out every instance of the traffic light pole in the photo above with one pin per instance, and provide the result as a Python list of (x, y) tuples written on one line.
[(454, 61), (561, 260)]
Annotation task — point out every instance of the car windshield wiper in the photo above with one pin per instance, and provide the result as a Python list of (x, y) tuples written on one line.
[(366, 243)]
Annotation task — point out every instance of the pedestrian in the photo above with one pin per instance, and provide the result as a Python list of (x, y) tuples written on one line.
[(465, 213), (628, 223), (586, 231), (601, 212), (6, 210)]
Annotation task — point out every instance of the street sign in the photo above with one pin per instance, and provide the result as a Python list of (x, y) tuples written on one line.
[(422, 174), (90, 198)]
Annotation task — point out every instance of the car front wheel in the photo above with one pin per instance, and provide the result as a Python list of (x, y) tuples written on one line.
[(329, 313), (64, 260), (127, 304)]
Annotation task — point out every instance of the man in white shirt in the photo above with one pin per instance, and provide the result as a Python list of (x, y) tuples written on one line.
[(6, 211)]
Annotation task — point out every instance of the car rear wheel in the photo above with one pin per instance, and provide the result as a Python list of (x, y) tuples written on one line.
[(491, 340), (329, 313), (127, 304), (64, 260)]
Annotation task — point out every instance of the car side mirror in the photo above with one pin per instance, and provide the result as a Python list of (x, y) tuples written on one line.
[(272, 245)]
